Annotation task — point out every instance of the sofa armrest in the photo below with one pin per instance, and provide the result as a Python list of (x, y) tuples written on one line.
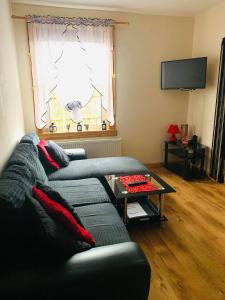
[(114, 262), (119, 271), (76, 153)]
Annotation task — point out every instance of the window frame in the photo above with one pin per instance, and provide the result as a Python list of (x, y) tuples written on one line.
[(111, 131)]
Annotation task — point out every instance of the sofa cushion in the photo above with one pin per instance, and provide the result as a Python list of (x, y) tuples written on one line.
[(104, 223), (98, 167), (53, 194), (46, 159), (61, 214), (26, 154), (81, 192), (54, 240), (57, 153)]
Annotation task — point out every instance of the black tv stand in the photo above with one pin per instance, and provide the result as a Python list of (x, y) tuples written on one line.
[(187, 162)]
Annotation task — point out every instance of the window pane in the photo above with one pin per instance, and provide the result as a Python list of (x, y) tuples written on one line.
[(92, 113)]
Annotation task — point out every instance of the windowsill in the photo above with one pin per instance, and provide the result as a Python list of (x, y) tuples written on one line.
[(75, 135)]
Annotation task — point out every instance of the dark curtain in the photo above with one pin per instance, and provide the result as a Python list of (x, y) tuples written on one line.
[(218, 145)]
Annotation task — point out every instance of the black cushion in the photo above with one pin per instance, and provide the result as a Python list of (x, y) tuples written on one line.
[(55, 241), (57, 153), (54, 195), (81, 192), (48, 163)]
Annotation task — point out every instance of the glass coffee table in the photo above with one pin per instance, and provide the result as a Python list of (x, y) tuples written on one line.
[(137, 206)]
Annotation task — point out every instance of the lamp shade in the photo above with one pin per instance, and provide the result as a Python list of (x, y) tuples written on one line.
[(173, 129)]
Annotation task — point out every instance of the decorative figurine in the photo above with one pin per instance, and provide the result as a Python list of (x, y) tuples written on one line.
[(79, 127), (193, 143), (52, 128), (103, 125), (184, 134), (68, 127), (86, 126)]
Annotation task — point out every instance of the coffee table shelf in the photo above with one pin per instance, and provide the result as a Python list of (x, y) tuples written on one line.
[(153, 214)]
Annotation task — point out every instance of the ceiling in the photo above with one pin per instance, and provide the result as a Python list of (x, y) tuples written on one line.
[(158, 7)]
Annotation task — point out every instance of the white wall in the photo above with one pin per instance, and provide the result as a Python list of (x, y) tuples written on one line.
[(208, 33), (11, 117), (143, 110)]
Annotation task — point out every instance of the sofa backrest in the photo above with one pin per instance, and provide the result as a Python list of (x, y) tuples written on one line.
[(31, 138), (16, 181), (22, 171), (26, 154)]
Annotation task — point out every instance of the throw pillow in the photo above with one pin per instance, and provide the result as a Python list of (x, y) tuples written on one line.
[(52, 194), (57, 153), (47, 161), (53, 241), (63, 215)]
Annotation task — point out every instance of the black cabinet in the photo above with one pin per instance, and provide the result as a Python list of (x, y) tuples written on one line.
[(184, 161)]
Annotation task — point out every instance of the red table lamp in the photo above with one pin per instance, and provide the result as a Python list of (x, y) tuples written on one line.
[(173, 129)]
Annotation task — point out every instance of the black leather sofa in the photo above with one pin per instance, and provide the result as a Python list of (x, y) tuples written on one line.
[(116, 268)]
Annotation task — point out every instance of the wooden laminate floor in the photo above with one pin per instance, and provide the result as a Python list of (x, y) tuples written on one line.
[(187, 254)]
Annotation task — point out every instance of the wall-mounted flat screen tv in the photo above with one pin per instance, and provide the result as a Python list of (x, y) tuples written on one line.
[(186, 74)]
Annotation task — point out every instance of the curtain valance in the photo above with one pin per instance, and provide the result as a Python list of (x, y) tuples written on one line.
[(70, 21)]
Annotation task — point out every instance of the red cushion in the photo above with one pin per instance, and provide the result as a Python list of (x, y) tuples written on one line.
[(63, 215), (46, 155)]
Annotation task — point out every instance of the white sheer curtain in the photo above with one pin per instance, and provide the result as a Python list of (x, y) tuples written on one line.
[(72, 61)]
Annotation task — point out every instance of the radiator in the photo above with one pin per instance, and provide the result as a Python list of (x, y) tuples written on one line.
[(96, 148)]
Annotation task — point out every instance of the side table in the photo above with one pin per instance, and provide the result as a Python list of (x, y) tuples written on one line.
[(189, 162)]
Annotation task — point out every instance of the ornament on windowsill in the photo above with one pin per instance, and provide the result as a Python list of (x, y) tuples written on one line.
[(103, 125), (79, 127), (86, 126), (52, 127), (68, 127)]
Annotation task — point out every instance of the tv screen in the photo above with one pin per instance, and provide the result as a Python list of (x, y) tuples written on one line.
[(184, 74)]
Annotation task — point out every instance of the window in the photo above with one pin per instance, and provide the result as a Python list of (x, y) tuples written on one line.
[(72, 69)]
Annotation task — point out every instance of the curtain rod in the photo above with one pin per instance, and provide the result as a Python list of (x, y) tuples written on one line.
[(23, 18)]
